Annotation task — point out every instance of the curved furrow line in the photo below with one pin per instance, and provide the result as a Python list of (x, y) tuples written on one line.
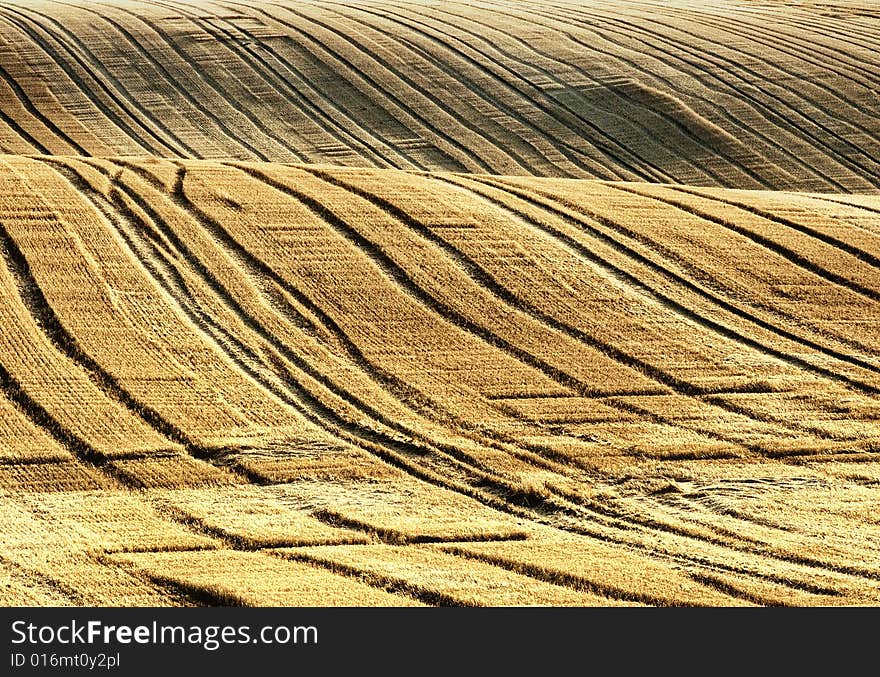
[(461, 153), (705, 396), (21, 133), (794, 584), (161, 258), (486, 283), (117, 92), (239, 110), (424, 435), (817, 33), (722, 112), (71, 395), (719, 24), (323, 110), (46, 121), (299, 396), (381, 378), (109, 385), (439, 307), (596, 587), (812, 14), (304, 96), (127, 101), (730, 67), (67, 344), (386, 381), (385, 582), (222, 36), (807, 264), (598, 168), (844, 200), (631, 519), (734, 64), (91, 94), (719, 111), (78, 447), (714, 299), (686, 557), (855, 118), (169, 77), (787, 253), (733, 591), (647, 132), (564, 115), (448, 39), (303, 101), (868, 47), (865, 224), (465, 114), (857, 252), (828, 29), (775, 42), (256, 266), (699, 279), (32, 297), (244, 55), (155, 254), (699, 510), (485, 280), (578, 582), (486, 500), (454, 150), (572, 156), (529, 147), (572, 153), (283, 352), (627, 522), (74, 596), (668, 301), (283, 305), (400, 276), (769, 113)]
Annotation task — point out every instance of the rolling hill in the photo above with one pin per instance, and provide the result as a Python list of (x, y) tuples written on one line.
[(733, 93), (394, 304)]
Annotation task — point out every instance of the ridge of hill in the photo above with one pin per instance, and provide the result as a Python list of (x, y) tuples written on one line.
[(729, 93), (261, 383)]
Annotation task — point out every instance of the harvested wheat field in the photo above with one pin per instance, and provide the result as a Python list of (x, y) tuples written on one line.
[(435, 303)]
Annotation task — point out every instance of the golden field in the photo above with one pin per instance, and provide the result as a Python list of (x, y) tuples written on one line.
[(434, 303)]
